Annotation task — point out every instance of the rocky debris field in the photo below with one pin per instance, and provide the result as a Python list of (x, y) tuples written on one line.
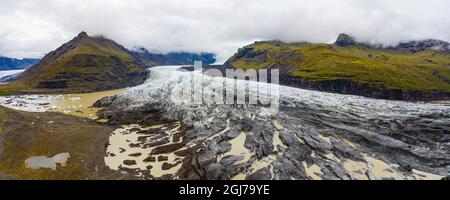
[(314, 135), (155, 152)]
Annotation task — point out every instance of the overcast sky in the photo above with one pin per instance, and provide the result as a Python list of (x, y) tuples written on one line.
[(31, 28)]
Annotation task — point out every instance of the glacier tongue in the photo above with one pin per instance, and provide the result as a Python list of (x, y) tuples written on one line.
[(314, 135), (165, 81)]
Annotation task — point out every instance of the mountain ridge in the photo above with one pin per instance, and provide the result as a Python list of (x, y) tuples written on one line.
[(7, 63), (84, 64), (413, 46), (417, 70), (172, 58)]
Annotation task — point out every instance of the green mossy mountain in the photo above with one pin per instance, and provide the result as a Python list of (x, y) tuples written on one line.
[(418, 70), (84, 64)]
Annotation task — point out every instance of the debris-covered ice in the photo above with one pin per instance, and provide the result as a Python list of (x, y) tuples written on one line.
[(313, 135)]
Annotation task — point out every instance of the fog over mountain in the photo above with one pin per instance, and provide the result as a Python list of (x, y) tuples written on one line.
[(31, 28)]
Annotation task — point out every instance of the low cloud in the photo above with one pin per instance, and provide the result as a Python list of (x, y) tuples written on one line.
[(31, 28)]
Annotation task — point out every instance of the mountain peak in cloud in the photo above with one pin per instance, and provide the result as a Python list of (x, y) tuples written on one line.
[(82, 35), (345, 40), (32, 28)]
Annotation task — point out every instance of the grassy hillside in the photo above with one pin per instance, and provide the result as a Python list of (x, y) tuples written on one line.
[(84, 64), (376, 67)]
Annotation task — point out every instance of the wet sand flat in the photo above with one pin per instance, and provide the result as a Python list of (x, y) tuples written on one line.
[(80, 105)]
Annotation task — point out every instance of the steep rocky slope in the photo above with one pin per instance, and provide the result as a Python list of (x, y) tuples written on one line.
[(84, 64), (418, 70)]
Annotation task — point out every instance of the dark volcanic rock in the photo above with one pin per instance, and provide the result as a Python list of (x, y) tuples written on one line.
[(345, 40), (104, 102), (167, 166), (163, 158), (167, 148), (262, 174), (182, 153), (150, 159), (424, 45), (136, 155), (129, 162)]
